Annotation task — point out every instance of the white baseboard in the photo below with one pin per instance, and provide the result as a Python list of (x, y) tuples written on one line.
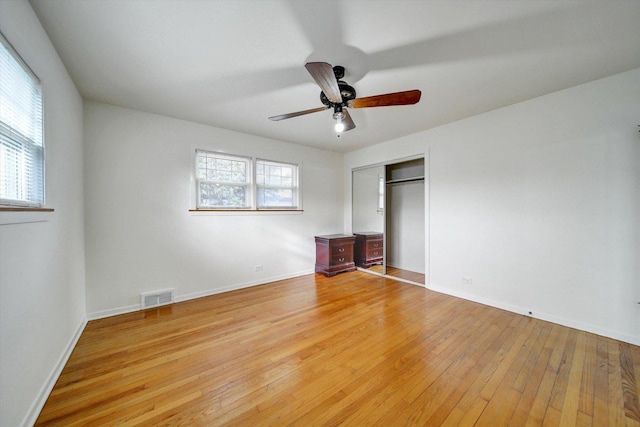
[(34, 411), (241, 286), (180, 298), (113, 312), (616, 335)]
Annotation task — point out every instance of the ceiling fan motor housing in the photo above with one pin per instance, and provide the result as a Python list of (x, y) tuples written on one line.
[(346, 91)]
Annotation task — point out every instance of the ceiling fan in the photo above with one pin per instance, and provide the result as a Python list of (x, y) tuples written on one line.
[(338, 95)]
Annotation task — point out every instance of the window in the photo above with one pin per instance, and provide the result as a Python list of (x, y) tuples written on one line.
[(381, 186), (277, 185), (223, 181), (21, 139), (226, 182)]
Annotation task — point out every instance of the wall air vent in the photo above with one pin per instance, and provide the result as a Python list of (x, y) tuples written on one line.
[(156, 299)]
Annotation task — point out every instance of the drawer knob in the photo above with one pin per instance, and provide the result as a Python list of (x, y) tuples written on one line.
[(375, 253), (340, 249), (341, 259), (375, 245)]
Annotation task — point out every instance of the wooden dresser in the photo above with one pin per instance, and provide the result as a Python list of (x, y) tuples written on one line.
[(334, 254), (369, 249)]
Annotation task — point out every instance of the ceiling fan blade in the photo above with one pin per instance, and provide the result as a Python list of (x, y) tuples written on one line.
[(323, 74), (397, 98), (348, 121), (298, 113)]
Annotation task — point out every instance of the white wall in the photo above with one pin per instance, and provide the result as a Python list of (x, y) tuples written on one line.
[(538, 204), (42, 296), (405, 233), (141, 236)]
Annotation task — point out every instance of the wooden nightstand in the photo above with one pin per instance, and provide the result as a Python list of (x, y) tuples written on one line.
[(369, 249), (334, 254)]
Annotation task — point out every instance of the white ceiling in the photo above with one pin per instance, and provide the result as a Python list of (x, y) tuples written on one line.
[(233, 63)]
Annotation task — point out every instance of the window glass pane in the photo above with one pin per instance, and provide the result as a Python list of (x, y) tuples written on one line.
[(274, 180), (220, 195), (212, 168), (272, 197)]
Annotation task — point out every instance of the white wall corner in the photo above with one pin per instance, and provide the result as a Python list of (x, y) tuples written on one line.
[(40, 400)]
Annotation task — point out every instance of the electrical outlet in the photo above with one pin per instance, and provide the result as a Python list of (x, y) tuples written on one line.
[(259, 267), (467, 280)]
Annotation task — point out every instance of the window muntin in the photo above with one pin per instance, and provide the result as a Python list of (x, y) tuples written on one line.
[(227, 182), (21, 132), (223, 181), (277, 185)]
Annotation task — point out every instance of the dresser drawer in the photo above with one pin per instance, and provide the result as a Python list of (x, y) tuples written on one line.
[(374, 245), (342, 250), (341, 259), (374, 253)]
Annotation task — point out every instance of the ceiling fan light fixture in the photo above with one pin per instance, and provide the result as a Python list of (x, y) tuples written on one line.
[(339, 116)]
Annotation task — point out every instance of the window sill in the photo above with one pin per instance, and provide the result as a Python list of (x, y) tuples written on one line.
[(205, 212), (18, 215)]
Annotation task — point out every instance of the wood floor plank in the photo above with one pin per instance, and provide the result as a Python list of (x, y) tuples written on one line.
[(570, 404), (561, 379), (587, 388), (531, 387), (556, 343), (601, 384), (462, 418), (355, 349), (629, 387), (615, 399), (490, 361), (511, 356), (551, 417)]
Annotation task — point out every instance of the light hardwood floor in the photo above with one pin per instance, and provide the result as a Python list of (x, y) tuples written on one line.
[(401, 274), (355, 349)]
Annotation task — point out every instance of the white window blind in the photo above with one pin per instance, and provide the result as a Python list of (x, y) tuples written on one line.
[(21, 139)]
